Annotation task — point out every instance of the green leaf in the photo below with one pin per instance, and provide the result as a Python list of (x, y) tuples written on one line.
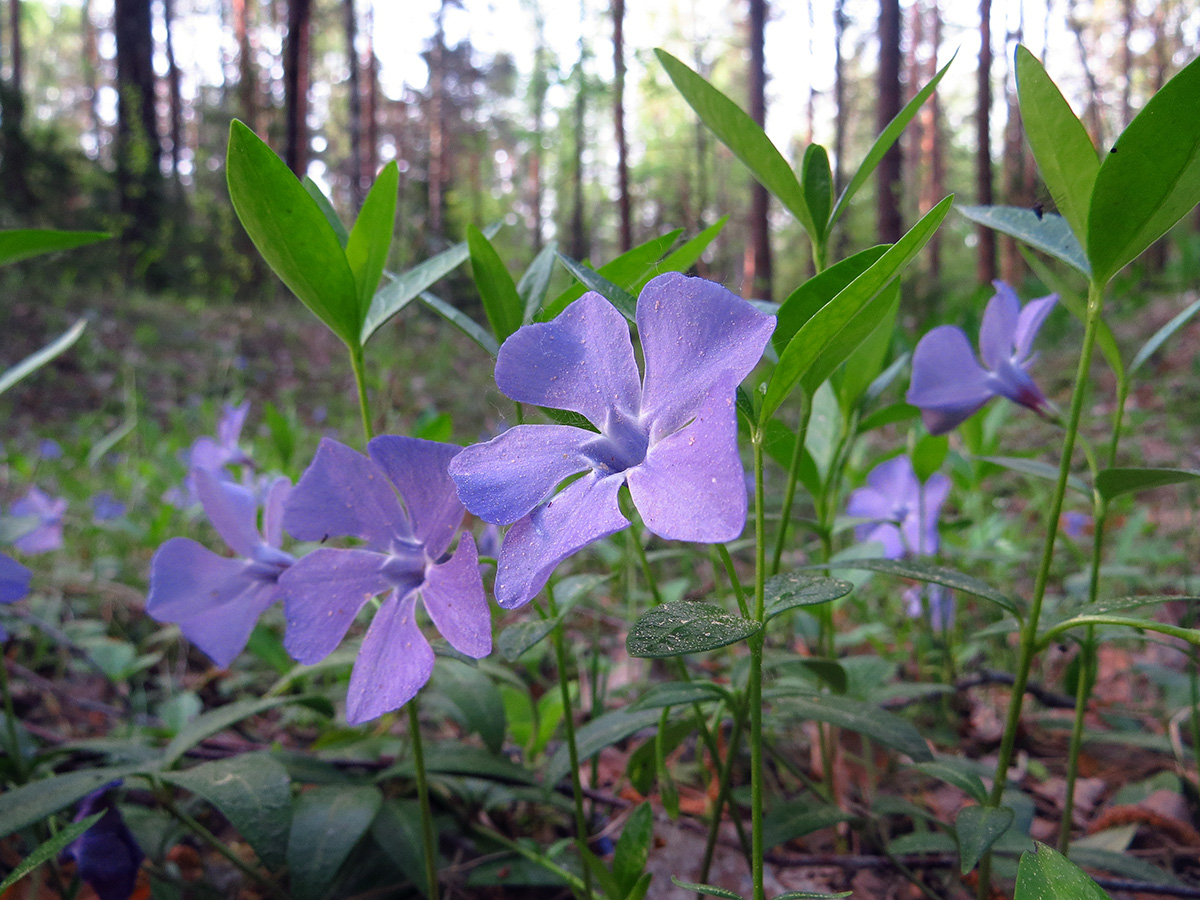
[(1149, 179), (1113, 605), (687, 254), (465, 323), (21, 807), (888, 415), (370, 239), (402, 289), (1191, 635), (1042, 231), (22, 243), (679, 693), (792, 589), (1065, 156), (291, 232), (876, 313), (1044, 874), (1121, 864), (327, 821), (818, 188), (811, 895), (864, 718), (685, 626), (628, 269), (978, 827), (1114, 482), (253, 791), (821, 337), (858, 376), (472, 700), (806, 300), (217, 720), (501, 302), (742, 135), (50, 849), (1160, 337), (789, 821), (633, 848), (397, 831), (1037, 469), (454, 758), (929, 454), (597, 734), (929, 572), (35, 361), (883, 143), (536, 281), (624, 301), (707, 889), (949, 770), (326, 207), (514, 640)]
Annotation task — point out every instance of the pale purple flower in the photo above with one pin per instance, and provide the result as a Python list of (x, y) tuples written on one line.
[(948, 383), (939, 599), (214, 454), (670, 436), (214, 599), (107, 856), (14, 584), (106, 507), (401, 503), (50, 449), (904, 511), (47, 532)]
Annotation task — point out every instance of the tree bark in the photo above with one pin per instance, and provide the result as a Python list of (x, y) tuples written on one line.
[(176, 99), (247, 77), (538, 87), (139, 148), (579, 241), (91, 70), (891, 169), (756, 281), (623, 205), (1012, 264), (14, 147), (437, 124), (296, 81), (359, 180), (839, 96), (985, 262), (371, 156)]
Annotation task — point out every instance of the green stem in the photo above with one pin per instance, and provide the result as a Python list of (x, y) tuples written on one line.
[(428, 838), (360, 382), (789, 491), (572, 880), (1029, 633), (635, 538), (754, 687), (727, 561), (714, 826)]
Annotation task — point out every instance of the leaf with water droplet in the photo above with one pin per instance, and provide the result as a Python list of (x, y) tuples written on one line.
[(685, 626), (792, 589)]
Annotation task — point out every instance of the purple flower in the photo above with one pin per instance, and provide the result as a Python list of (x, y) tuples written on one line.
[(106, 507), (106, 856), (948, 383), (50, 449), (47, 533), (14, 584), (905, 510), (214, 454), (939, 599), (671, 436), (401, 503), (216, 600)]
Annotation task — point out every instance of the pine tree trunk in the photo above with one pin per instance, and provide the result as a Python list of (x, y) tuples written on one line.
[(247, 79), (371, 156), (891, 170), (623, 205), (91, 74), (296, 81), (1012, 264), (756, 280), (985, 263), (579, 241), (437, 125), (14, 147), (359, 180), (139, 148), (176, 99)]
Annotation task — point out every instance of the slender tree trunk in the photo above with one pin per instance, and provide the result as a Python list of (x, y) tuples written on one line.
[(14, 161), (176, 99), (296, 81), (91, 75), (18, 53), (623, 206), (437, 124), (1091, 113), (358, 183), (247, 77), (810, 105), (756, 281), (934, 149), (839, 96), (139, 148), (985, 265), (891, 169), (579, 241), (1127, 12), (1012, 264), (371, 156)]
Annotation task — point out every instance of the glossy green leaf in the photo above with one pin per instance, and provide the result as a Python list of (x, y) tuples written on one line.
[(253, 791), (624, 301), (864, 718), (817, 182), (1122, 864), (811, 895), (628, 269), (514, 640), (370, 239), (49, 849), (706, 889), (792, 589), (535, 282), (928, 455), (1149, 179), (888, 415), (798, 818), (326, 207), (22, 243), (1107, 605), (22, 806), (684, 626), (1191, 635), (805, 301), (1043, 231), (919, 570), (1037, 469), (397, 831), (978, 828), (327, 821), (462, 321), (597, 734), (456, 758), (1044, 874), (469, 697), (1066, 159), (814, 340), (678, 693), (883, 143), (217, 720), (1114, 482), (633, 848), (35, 361), (857, 378), (877, 312), (950, 771), (687, 254), (501, 303), (1160, 337), (291, 232)]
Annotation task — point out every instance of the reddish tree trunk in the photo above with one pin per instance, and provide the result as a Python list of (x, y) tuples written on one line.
[(358, 179), (756, 280), (296, 80), (623, 205), (890, 173), (985, 264)]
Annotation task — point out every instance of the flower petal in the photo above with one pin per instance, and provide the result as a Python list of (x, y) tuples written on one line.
[(229, 426), (948, 384), (1033, 314), (232, 510), (885, 533), (584, 511), (582, 360), (344, 493), (14, 580), (504, 479), (418, 469), (998, 329), (694, 333), (276, 495), (896, 480), (453, 597), (107, 856), (394, 662), (691, 486), (322, 594)]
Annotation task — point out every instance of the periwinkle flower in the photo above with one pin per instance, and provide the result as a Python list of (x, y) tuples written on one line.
[(14, 584), (948, 383), (938, 600), (904, 511), (107, 856), (214, 599), (49, 448), (106, 507), (401, 502), (214, 454), (671, 435), (47, 531)]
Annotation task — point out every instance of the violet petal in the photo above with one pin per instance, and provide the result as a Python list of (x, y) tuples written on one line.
[(231, 509), (999, 326), (323, 593), (1033, 314), (418, 469), (948, 384), (453, 597), (276, 496), (14, 580), (394, 662)]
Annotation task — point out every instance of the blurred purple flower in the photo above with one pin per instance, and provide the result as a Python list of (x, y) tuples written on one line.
[(1076, 525), (47, 511), (50, 449), (401, 502), (14, 584), (948, 383), (212, 455), (671, 436), (216, 600), (905, 510), (106, 856), (940, 600), (106, 507)]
